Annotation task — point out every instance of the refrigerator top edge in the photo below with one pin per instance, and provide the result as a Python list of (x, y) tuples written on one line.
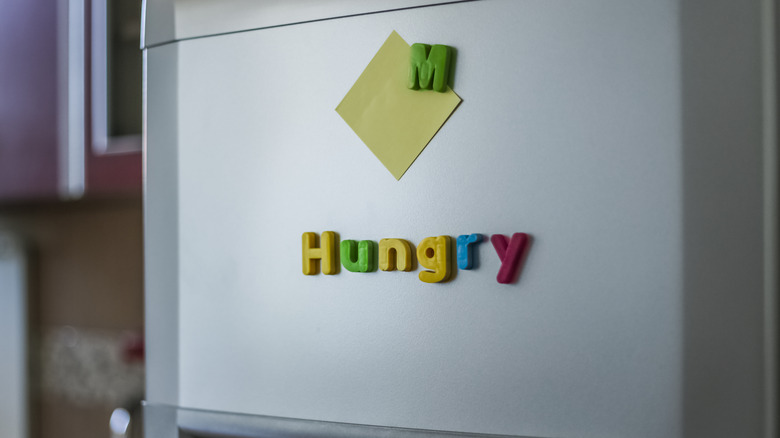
[(166, 21)]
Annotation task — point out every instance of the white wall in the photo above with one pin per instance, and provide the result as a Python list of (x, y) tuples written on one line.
[(13, 339)]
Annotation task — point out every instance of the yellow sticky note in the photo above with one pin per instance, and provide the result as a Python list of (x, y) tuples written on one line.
[(396, 123)]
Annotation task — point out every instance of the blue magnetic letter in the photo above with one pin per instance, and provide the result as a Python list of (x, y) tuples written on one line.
[(464, 252)]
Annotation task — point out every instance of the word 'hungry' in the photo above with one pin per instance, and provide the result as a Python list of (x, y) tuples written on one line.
[(433, 253)]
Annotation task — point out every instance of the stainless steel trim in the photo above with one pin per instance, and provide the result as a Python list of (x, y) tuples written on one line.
[(71, 98), (144, 5), (769, 33), (76, 140), (63, 12), (169, 421), (99, 77)]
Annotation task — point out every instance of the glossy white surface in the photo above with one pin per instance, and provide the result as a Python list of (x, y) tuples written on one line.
[(605, 129), (559, 143)]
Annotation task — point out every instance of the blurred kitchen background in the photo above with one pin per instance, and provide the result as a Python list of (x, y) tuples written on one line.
[(71, 227)]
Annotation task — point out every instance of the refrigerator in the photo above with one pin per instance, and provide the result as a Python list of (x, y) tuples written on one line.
[(576, 237)]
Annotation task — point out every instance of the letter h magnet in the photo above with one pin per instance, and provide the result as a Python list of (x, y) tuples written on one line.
[(324, 253)]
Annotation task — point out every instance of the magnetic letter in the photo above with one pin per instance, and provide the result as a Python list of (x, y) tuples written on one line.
[(395, 252), (464, 250), (358, 257), (510, 252), (434, 253), (326, 253), (429, 65)]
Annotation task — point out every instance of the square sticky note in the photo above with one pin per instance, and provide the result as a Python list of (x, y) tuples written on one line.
[(396, 123)]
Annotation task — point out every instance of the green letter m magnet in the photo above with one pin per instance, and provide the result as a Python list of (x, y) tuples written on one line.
[(429, 65)]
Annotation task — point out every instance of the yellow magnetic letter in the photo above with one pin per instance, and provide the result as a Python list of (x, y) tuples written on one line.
[(434, 253), (325, 252), (395, 251)]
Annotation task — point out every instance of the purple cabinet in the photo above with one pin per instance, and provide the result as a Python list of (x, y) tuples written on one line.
[(28, 100), (46, 120)]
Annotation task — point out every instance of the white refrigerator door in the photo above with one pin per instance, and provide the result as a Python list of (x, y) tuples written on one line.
[(630, 139)]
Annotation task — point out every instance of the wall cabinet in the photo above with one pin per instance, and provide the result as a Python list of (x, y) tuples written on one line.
[(51, 74)]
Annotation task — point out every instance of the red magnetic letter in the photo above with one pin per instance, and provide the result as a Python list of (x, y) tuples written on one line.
[(510, 252)]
